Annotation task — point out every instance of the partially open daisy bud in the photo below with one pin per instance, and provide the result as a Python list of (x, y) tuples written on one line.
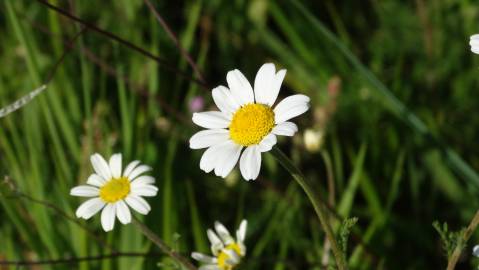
[(313, 140)]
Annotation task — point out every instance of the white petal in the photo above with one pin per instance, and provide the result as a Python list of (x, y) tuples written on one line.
[(267, 143), (214, 239), (138, 204), (285, 129), (474, 42), (233, 258), (276, 86), (216, 244), (240, 87), (209, 137), (290, 107), (228, 159), (209, 157), (212, 155), (115, 165), (263, 81), (475, 251), (223, 233), (203, 258), (108, 217), (242, 248), (85, 191), (146, 191), (89, 208), (100, 166), (138, 171), (225, 100), (250, 163), (211, 119), (267, 84), (293, 112), (143, 180), (132, 165), (96, 180), (241, 232), (123, 212)]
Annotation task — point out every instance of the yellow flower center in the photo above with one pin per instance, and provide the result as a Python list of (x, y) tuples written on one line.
[(251, 123), (116, 189), (223, 257)]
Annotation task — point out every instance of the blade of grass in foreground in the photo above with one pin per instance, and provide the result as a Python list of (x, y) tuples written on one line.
[(346, 202), (391, 102), (32, 179)]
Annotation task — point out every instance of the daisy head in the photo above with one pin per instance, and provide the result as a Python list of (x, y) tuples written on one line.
[(474, 42), (115, 190), (247, 120), (227, 251)]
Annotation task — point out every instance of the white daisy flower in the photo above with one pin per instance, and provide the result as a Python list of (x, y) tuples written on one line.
[(113, 191), (227, 252), (246, 120), (474, 42)]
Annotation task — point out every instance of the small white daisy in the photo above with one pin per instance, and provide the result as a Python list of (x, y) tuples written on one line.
[(113, 191), (227, 252), (474, 42), (247, 120)]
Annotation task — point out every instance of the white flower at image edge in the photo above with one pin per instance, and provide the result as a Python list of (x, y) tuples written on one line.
[(113, 191), (247, 120), (474, 42), (227, 252), (475, 251)]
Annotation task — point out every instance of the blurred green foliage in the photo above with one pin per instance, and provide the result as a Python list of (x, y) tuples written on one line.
[(393, 87)]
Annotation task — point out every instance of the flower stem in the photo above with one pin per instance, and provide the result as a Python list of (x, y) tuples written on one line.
[(162, 245), (467, 234), (318, 208)]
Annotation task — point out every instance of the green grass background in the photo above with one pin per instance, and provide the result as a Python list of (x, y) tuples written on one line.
[(401, 136)]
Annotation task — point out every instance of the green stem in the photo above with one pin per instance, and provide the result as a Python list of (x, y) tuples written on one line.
[(467, 234), (162, 245), (318, 208)]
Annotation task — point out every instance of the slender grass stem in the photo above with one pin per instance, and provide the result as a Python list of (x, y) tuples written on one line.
[(318, 207), (465, 237), (130, 45), (162, 245), (34, 93), (19, 194), (331, 201), (173, 37)]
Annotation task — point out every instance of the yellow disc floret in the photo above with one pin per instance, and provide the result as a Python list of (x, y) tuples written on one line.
[(116, 189), (223, 257), (251, 123)]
